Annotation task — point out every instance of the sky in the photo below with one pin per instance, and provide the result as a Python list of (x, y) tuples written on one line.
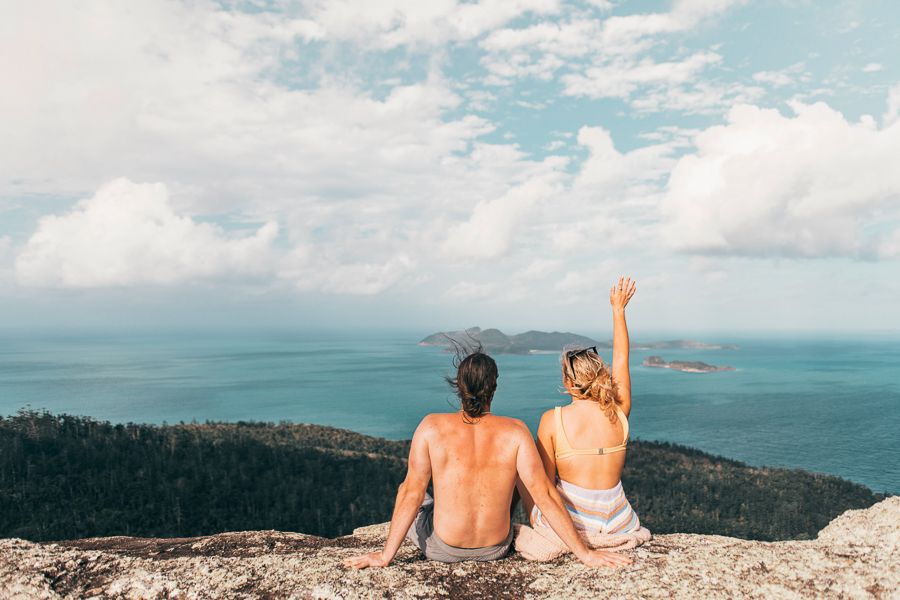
[(432, 165)]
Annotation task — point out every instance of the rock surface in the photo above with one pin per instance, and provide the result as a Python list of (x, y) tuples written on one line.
[(856, 556)]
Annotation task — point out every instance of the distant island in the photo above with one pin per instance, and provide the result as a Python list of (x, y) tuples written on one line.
[(536, 342), (687, 366), (497, 342)]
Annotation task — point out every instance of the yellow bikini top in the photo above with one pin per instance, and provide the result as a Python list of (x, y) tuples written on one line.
[(565, 450)]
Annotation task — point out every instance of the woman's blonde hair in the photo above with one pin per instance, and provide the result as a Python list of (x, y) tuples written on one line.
[(589, 378)]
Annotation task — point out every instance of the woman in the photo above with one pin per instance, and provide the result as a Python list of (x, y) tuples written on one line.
[(582, 446)]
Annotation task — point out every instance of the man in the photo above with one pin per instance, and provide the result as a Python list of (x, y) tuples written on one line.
[(473, 458)]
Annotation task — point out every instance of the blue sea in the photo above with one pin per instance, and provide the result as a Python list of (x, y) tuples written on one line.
[(826, 405)]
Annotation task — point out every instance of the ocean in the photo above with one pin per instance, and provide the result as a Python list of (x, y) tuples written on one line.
[(825, 405)]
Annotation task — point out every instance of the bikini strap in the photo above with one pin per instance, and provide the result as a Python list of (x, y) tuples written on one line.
[(563, 447)]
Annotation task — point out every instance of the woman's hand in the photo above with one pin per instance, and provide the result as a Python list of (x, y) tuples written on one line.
[(620, 294), (605, 558), (372, 559)]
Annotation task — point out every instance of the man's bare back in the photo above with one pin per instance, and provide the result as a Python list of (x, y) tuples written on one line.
[(473, 468)]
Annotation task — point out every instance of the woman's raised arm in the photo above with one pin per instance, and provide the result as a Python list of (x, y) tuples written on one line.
[(619, 295)]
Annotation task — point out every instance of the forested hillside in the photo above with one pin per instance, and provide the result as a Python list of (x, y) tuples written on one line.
[(64, 477)]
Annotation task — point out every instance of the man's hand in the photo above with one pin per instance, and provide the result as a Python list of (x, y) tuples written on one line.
[(605, 558), (372, 559), (620, 294)]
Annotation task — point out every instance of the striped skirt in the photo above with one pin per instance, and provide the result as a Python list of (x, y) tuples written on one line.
[(595, 511)]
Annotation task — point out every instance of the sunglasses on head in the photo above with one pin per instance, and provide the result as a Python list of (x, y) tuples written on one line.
[(571, 354)]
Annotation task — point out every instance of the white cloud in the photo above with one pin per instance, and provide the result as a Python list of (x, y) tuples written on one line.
[(467, 291), (621, 78), (602, 4), (776, 78), (362, 279), (627, 31), (702, 97), (873, 68), (892, 114), (611, 57), (579, 285), (540, 268), (606, 169), (193, 95), (392, 23), (128, 234), (807, 185), (491, 229), (783, 77)]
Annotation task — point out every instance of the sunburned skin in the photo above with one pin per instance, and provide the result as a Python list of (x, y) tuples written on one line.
[(474, 474)]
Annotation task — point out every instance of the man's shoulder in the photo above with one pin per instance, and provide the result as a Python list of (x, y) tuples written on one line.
[(437, 417), (511, 424), (436, 421)]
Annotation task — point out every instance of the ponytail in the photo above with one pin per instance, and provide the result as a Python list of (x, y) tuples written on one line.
[(475, 382)]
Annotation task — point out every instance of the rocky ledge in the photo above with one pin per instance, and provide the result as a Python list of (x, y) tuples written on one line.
[(856, 556)]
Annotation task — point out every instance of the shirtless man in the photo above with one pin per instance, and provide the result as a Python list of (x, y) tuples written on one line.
[(473, 458)]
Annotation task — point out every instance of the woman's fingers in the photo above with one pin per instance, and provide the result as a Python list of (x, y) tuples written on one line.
[(622, 291), (617, 560), (356, 562)]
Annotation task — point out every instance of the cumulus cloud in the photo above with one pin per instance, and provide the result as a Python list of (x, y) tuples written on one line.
[(203, 97), (128, 234), (811, 184), (606, 168), (490, 230)]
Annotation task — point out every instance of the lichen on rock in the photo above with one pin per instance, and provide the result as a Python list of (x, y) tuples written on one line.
[(856, 556)]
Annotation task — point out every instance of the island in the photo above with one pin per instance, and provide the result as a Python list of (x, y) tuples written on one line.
[(496, 342), (687, 366), (540, 342)]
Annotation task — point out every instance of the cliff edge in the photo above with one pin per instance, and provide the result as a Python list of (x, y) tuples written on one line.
[(856, 556)]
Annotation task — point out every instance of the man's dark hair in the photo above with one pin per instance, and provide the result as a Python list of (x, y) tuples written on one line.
[(475, 381)]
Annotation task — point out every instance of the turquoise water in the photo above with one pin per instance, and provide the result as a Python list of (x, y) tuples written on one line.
[(831, 406)]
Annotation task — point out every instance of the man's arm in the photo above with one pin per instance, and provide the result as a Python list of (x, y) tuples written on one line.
[(409, 498), (545, 448), (531, 473)]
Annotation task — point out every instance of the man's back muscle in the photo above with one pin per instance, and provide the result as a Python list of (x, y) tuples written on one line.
[(473, 469)]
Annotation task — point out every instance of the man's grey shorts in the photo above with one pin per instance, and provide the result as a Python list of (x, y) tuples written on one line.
[(423, 536)]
